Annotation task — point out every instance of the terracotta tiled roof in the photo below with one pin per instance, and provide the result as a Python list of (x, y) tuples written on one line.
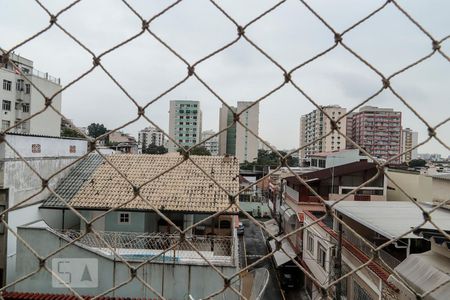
[(184, 188), (373, 266), (42, 296)]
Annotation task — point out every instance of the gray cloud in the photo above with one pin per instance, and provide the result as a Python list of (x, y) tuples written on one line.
[(290, 34)]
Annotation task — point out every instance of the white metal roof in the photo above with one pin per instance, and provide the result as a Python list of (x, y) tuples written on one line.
[(426, 271), (280, 257), (392, 218)]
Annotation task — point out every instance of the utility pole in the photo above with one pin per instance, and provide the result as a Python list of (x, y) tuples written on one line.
[(338, 262)]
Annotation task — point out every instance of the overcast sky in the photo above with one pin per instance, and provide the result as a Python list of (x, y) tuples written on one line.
[(195, 28)]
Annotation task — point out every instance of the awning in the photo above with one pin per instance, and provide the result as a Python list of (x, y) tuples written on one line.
[(426, 271), (271, 226), (280, 257)]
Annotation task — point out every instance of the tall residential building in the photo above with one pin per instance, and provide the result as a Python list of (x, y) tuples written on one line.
[(150, 135), (227, 139), (212, 145), (237, 140), (316, 124), (185, 123), (20, 99), (409, 141), (378, 131)]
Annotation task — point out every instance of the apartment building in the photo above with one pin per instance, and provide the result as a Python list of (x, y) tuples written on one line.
[(409, 141), (315, 124), (150, 135), (212, 145), (237, 140), (185, 123), (378, 131), (368, 220), (20, 99), (227, 139)]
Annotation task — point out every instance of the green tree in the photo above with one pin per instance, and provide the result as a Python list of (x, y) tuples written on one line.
[(96, 130), (417, 163), (269, 158), (199, 150), (69, 132), (153, 149)]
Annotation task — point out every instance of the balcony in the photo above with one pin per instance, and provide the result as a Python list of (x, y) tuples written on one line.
[(387, 258), (136, 246)]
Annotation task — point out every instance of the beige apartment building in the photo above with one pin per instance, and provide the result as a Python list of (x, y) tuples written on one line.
[(237, 140), (409, 141), (20, 99), (315, 124)]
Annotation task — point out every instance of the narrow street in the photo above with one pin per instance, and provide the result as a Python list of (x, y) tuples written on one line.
[(255, 246)]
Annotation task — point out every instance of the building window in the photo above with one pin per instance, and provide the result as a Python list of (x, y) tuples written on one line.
[(36, 148), (73, 149), (321, 255), (6, 105), (19, 85), (321, 163), (26, 107), (27, 88), (6, 85), (124, 218), (5, 124), (310, 242)]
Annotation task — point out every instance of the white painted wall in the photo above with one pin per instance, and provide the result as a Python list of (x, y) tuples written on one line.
[(246, 143), (172, 280), (20, 182), (50, 147), (48, 122)]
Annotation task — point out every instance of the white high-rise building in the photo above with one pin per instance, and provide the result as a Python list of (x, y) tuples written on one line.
[(212, 145), (237, 140), (409, 141), (20, 99), (315, 125), (150, 135), (185, 123)]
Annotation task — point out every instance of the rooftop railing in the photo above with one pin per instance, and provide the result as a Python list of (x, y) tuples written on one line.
[(165, 247), (46, 76)]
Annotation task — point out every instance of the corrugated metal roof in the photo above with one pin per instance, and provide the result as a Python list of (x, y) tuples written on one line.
[(392, 219), (73, 182), (96, 185)]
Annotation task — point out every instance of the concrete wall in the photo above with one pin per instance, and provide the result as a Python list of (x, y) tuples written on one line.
[(173, 281), (246, 143), (20, 182), (417, 186), (50, 147), (48, 122), (17, 218), (441, 190)]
